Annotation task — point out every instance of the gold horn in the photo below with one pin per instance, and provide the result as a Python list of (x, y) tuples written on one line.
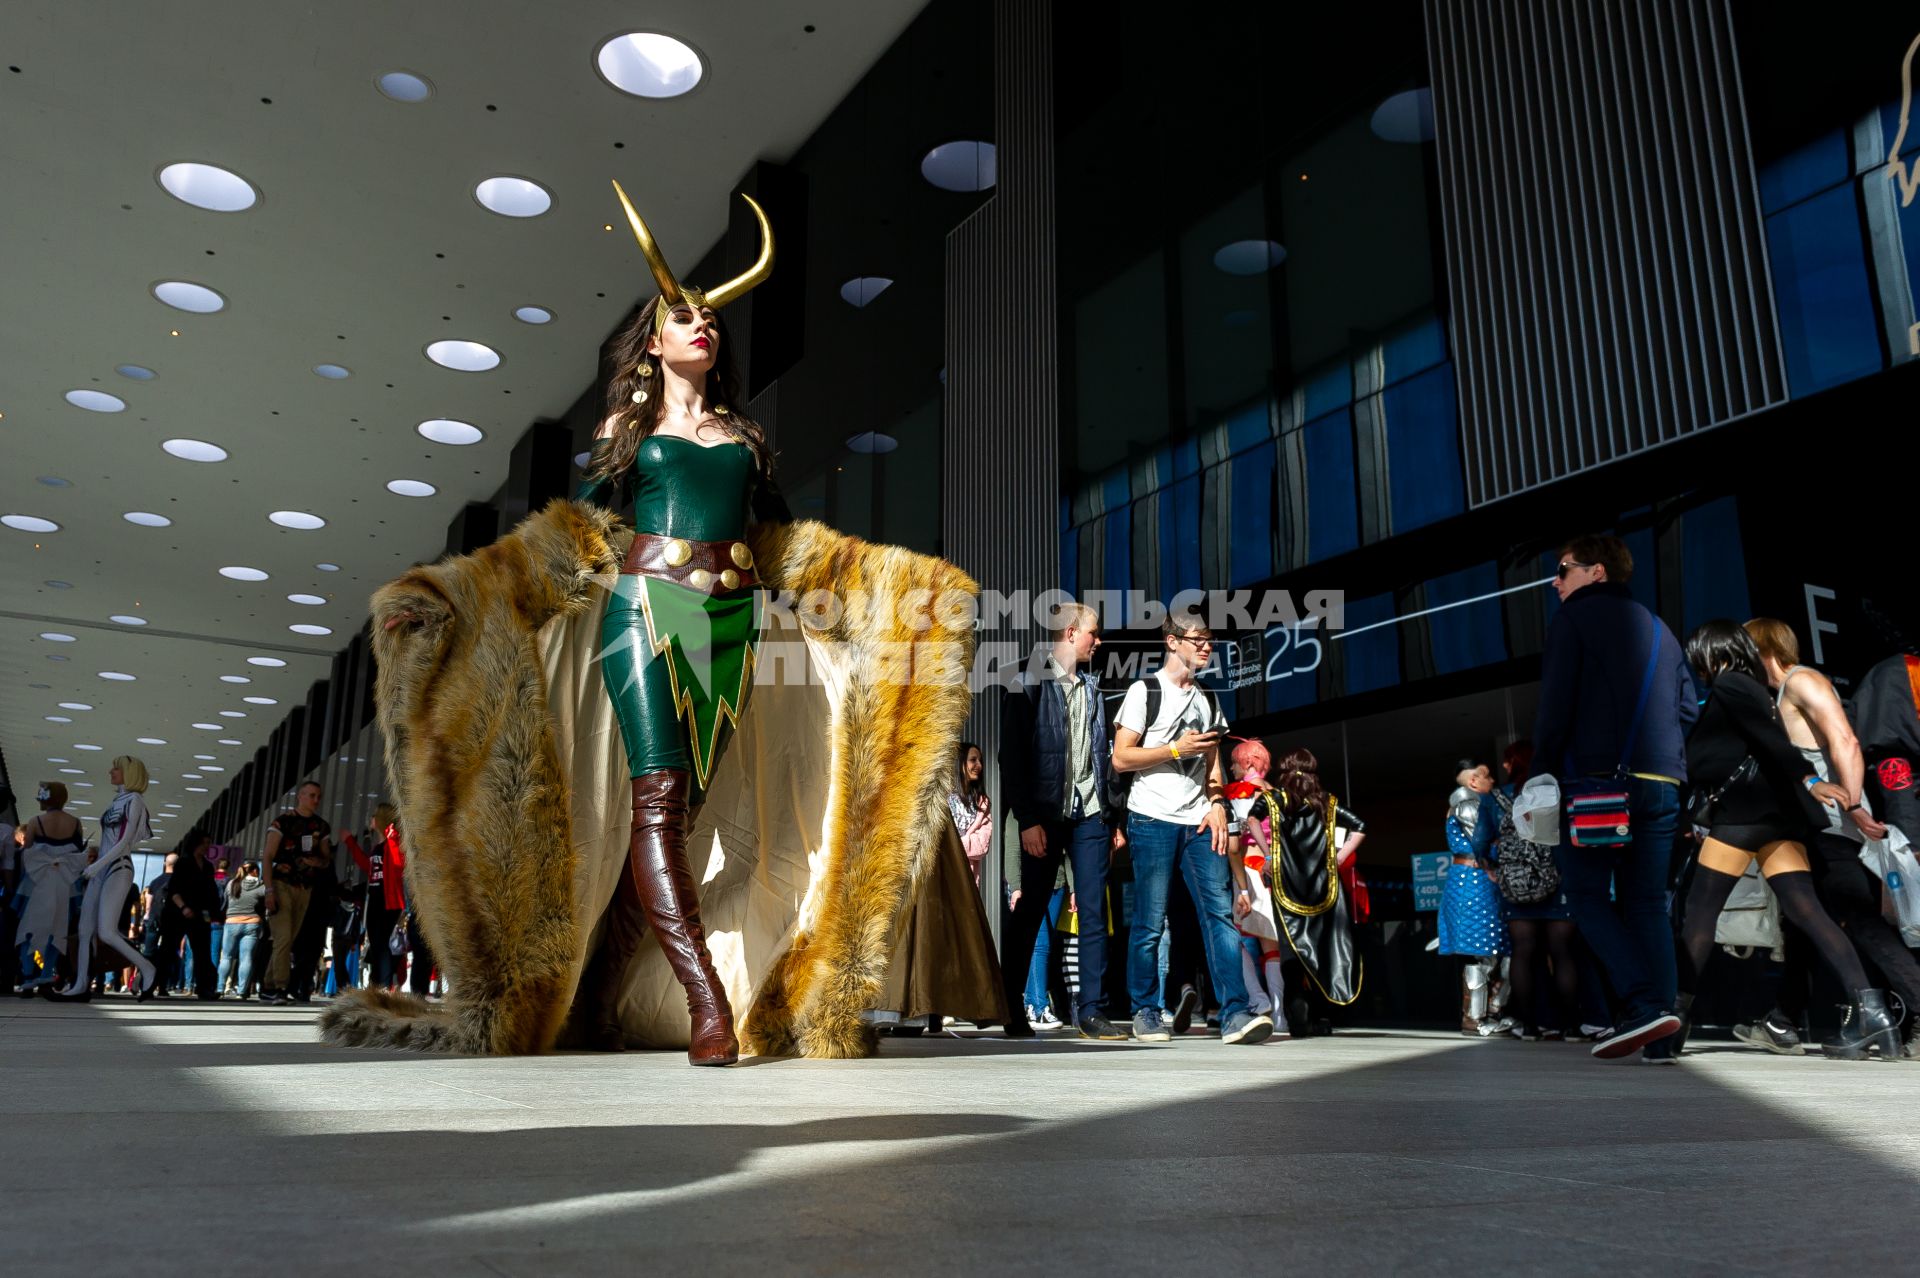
[(754, 275), (669, 287)]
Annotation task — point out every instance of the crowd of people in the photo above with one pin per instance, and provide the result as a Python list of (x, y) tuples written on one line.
[(1586, 882), (309, 916), (1673, 771)]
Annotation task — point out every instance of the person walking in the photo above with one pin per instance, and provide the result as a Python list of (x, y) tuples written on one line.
[(1754, 803), (110, 883), (971, 811), (1168, 733), (1054, 770), (1615, 700), (298, 850), (246, 913), (187, 903), (384, 862)]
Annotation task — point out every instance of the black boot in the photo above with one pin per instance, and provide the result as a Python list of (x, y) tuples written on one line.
[(1865, 1027)]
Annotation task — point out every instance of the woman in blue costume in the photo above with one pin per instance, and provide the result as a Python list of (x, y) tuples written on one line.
[(677, 459)]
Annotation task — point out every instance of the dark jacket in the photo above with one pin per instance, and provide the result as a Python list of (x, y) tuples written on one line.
[(1738, 720), (1590, 676), (1033, 749)]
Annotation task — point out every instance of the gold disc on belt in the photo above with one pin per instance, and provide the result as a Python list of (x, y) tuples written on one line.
[(742, 557), (729, 578), (700, 579), (677, 553)]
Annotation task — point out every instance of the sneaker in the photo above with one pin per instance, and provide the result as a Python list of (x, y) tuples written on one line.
[(1527, 1033), (1184, 1010), (1590, 1033), (1043, 1018), (1630, 1039), (1148, 1027), (1101, 1029), (1247, 1028), (1499, 1027), (1552, 1036), (1773, 1032)]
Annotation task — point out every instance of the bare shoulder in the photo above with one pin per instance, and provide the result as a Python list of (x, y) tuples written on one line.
[(1807, 688)]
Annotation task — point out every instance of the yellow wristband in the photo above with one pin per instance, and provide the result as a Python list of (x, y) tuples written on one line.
[(1173, 751)]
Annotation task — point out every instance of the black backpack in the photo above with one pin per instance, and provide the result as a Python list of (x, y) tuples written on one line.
[(1120, 784), (1528, 874)]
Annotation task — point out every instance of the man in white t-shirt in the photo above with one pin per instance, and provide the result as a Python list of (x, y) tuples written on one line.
[(1177, 820)]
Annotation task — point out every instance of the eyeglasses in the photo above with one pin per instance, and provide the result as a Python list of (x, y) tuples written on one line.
[(1196, 642), (1568, 565)]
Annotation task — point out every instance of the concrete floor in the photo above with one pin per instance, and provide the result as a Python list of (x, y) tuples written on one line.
[(221, 1138)]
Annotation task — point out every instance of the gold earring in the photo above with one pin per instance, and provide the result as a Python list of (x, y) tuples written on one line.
[(720, 410), (640, 397), (646, 369)]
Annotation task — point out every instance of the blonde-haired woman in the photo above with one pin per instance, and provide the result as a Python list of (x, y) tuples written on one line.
[(110, 878)]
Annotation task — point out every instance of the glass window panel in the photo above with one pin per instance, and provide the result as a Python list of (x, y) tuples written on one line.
[(1251, 556), (1069, 552), (1423, 450), (1415, 349), (1117, 533), (1469, 635), (1248, 427), (1821, 163), (1713, 565), (1180, 537), (1827, 318), (1372, 658), (1333, 510), (1329, 390)]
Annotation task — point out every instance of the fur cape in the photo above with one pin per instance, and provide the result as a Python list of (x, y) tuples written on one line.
[(507, 769)]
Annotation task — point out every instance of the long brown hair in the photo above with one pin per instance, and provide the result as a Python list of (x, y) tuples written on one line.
[(1299, 781), (621, 360)]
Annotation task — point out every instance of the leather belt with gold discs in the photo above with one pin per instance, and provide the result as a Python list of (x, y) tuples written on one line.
[(713, 566)]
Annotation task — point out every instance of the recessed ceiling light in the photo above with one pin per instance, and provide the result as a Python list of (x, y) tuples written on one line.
[(333, 372), (304, 629), (83, 785), (240, 573), (961, 166), (54, 636), (312, 601), (29, 523), (57, 718), (75, 705), (411, 487), (195, 789), (209, 187), (1405, 117), (862, 289), (80, 746), (648, 64), (128, 619), (194, 450), (54, 481), (235, 679), (116, 676), (404, 86), (207, 757), (58, 585), (146, 519), (54, 656), (212, 767), (169, 805), (1249, 257), (513, 196), (872, 441), (96, 401), (228, 741), (191, 776), (50, 759), (444, 430), (233, 714), (137, 372), (151, 740), (297, 519), (328, 567), (73, 772), (533, 315), (274, 662), (184, 296), (211, 727), (463, 356), (260, 701)]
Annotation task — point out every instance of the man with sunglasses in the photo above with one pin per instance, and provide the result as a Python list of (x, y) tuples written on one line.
[(1177, 821), (1615, 693)]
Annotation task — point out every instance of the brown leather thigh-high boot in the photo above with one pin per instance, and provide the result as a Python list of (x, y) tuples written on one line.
[(658, 871)]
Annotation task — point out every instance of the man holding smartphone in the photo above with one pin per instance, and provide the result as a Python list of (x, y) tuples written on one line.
[(1168, 733)]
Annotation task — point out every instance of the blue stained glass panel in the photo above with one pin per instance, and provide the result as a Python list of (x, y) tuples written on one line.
[(1470, 635), (1425, 480), (1333, 504), (1827, 316), (1253, 516)]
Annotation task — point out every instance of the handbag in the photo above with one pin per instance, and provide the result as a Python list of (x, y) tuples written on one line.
[(397, 941), (1750, 920), (1700, 802), (1599, 815), (1528, 874)]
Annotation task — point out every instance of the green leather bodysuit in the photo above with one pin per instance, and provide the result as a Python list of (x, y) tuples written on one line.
[(678, 662)]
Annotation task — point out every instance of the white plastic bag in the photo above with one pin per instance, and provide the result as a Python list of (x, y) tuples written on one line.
[(1536, 811), (1750, 920), (1892, 859)]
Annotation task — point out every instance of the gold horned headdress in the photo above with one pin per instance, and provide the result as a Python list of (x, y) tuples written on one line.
[(672, 291)]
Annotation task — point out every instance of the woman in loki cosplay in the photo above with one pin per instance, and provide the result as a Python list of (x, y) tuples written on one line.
[(677, 460)]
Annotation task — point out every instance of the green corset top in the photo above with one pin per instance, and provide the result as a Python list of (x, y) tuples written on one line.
[(677, 488)]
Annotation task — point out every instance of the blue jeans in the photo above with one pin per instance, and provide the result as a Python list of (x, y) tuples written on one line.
[(1159, 847), (1631, 935), (1086, 842), (1039, 970), (236, 942)]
